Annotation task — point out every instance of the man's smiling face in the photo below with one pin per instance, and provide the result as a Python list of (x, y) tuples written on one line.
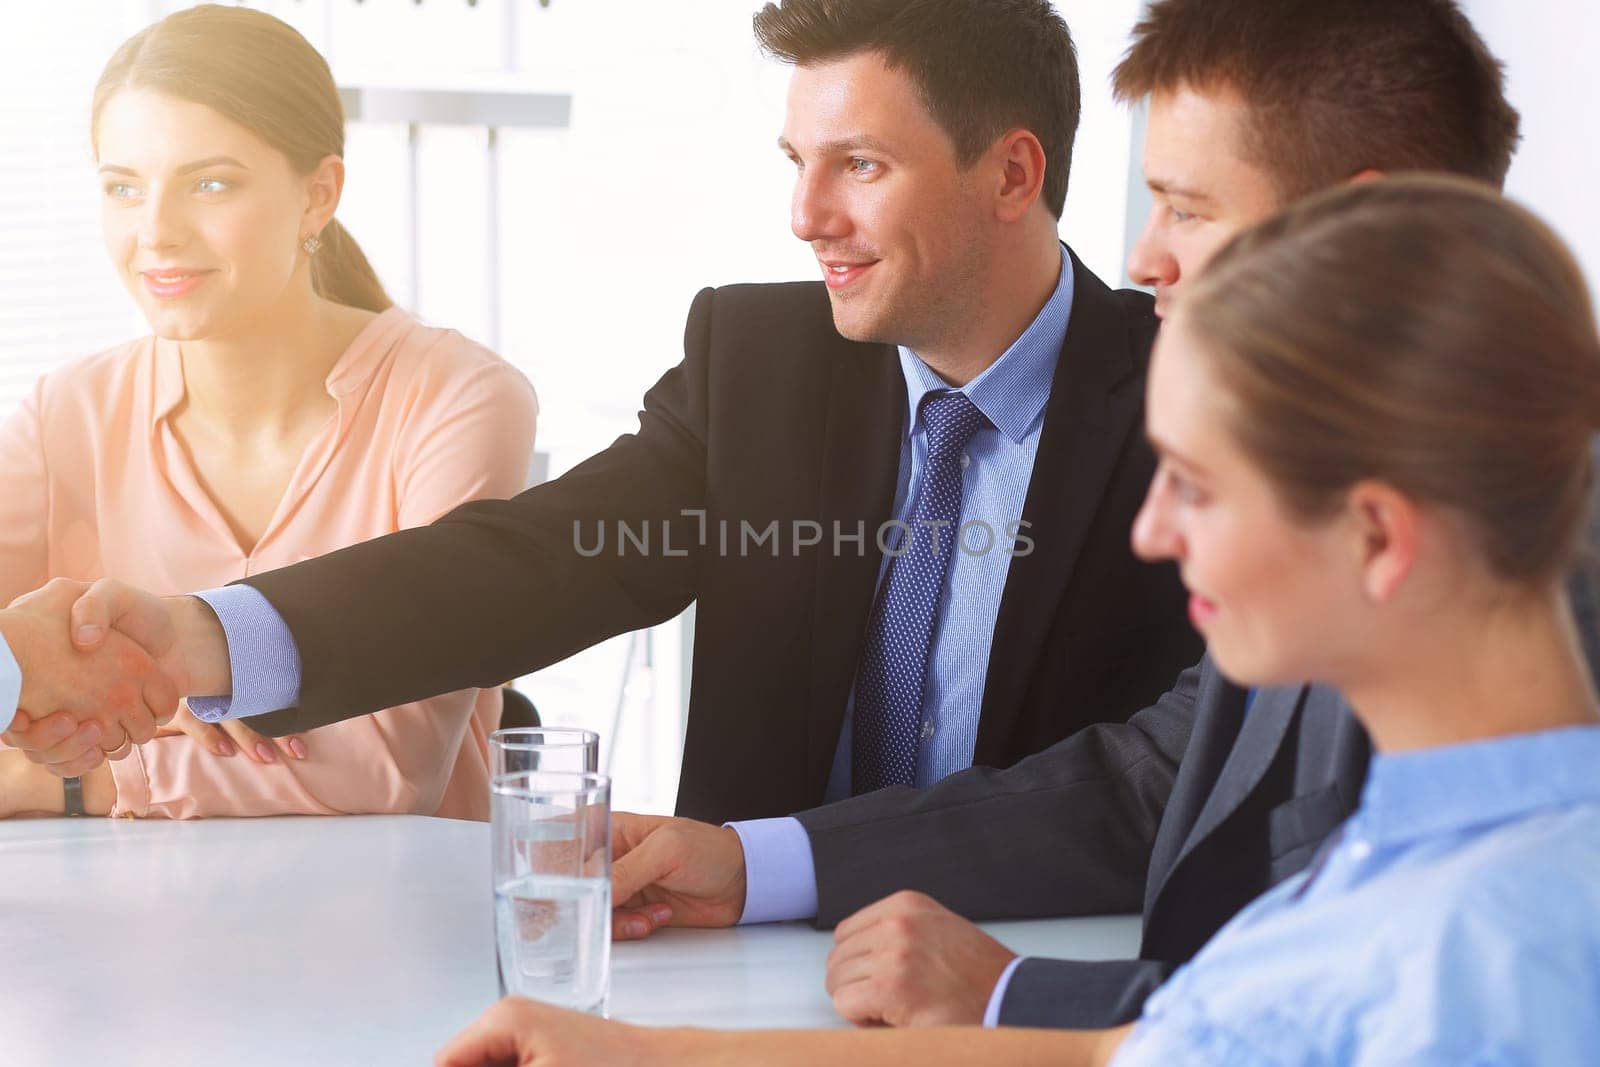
[(893, 218)]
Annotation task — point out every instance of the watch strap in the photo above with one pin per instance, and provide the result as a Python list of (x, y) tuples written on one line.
[(74, 795)]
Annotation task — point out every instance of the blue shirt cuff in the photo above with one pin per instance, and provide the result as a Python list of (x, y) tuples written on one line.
[(991, 1014), (261, 655), (780, 876), (10, 684)]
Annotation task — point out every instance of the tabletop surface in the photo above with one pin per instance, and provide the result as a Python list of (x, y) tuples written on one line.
[(338, 940)]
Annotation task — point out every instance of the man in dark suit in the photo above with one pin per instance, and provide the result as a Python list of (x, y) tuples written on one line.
[(1202, 801), (899, 498)]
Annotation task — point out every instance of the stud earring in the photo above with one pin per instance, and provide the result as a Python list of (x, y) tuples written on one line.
[(311, 244)]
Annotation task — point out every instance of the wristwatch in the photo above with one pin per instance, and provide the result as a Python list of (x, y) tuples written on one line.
[(74, 791)]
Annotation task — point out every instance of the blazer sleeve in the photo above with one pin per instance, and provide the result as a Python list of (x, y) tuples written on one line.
[(499, 589), (474, 439), (1067, 831), (1079, 994)]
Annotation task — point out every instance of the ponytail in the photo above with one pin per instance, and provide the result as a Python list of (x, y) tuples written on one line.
[(340, 272)]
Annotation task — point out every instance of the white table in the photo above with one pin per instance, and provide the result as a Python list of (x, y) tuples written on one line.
[(337, 940)]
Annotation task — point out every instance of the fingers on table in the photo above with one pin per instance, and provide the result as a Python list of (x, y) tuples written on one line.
[(870, 981), (633, 923), (874, 956), (255, 747), (209, 735), (856, 957), (230, 737), (262, 749), (491, 1038), (860, 1002)]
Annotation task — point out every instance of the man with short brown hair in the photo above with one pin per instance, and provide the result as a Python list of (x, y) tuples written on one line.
[(1253, 105), (1193, 807), (1332, 89)]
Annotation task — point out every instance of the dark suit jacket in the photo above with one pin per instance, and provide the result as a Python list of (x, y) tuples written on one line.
[(771, 417), (1186, 812)]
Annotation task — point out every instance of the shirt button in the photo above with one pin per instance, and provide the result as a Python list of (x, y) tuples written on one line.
[(1360, 850), (927, 730), (966, 461)]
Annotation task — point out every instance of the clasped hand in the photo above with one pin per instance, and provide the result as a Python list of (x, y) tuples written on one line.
[(101, 670)]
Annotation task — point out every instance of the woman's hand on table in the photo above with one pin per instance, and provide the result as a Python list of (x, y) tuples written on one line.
[(232, 736), (524, 1032)]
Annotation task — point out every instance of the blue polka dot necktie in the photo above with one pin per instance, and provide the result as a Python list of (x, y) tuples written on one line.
[(894, 661)]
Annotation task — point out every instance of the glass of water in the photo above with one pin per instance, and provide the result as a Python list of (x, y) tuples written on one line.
[(552, 886), (544, 748)]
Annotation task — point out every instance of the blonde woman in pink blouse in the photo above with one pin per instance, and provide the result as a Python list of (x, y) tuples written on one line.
[(282, 408)]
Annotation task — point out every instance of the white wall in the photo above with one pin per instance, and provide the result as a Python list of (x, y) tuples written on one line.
[(1550, 50), (1098, 198)]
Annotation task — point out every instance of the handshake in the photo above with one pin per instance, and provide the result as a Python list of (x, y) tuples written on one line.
[(102, 666)]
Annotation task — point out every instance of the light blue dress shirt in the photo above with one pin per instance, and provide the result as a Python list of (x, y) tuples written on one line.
[(262, 657), (1011, 393), (1455, 919), (10, 684), (780, 875)]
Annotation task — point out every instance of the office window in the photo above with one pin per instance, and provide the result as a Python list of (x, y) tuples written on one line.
[(59, 298)]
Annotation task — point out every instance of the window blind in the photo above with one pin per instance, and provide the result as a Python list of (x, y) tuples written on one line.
[(59, 298)]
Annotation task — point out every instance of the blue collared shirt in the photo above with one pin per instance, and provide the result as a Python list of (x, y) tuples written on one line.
[(1454, 920), (781, 881), (1011, 393)]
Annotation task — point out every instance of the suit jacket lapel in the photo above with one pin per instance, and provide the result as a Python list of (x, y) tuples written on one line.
[(1218, 719), (1087, 420), (862, 431), (1266, 724)]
